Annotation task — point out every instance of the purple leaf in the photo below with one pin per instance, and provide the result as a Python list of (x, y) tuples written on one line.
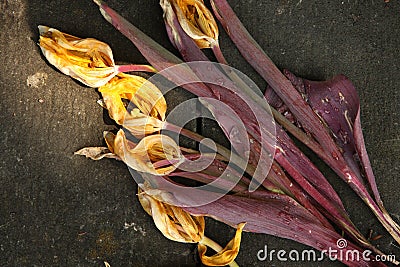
[(326, 147), (337, 103), (277, 215), (263, 211)]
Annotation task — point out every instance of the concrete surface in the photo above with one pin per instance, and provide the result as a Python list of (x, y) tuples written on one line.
[(58, 209)]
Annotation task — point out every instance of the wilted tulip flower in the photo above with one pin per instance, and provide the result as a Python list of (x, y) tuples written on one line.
[(194, 18), (172, 221), (155, 154), (148, 116), (178, 225), (88, 60)]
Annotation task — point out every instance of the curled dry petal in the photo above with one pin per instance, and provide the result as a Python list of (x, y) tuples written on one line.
[(96, 153), (194, 18), (88, 60), (141, 125), (175, 223), (149, 115), (225, 256), (149, 150)]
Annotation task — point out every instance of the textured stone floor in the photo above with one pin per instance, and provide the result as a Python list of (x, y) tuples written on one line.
[(58, 209)]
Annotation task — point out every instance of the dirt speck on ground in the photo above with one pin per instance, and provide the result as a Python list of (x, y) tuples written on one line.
[(36, 80)]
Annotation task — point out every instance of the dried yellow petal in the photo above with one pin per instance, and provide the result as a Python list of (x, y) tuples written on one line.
[(88, 60), (141, 125), (173, 222), (149, 115), (194, 18), (226, 255), (96, 153), (155, 154)]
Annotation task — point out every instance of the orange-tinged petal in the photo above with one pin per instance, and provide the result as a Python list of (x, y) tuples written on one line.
[(147, 153), (141, 125), (88, 60), (145, 95), (173, 222), (149, 115), (195, 19), (226, 255)]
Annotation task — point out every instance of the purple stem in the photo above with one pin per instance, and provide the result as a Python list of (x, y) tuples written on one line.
[(129, 68), (218, 54)]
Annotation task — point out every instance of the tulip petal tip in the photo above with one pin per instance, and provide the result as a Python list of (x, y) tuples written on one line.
[(42, 29), (98, 2)]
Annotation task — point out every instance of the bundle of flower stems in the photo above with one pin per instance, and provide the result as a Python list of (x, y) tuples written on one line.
[(263, 183)]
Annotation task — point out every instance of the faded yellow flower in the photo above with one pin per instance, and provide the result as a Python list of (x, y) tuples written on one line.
[(194, 18), (155, 154), (175, 223), (149, 115), (88, 60), (178, 225)]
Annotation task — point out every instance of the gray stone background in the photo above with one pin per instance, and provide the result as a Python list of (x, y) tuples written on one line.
[(58, 209)]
